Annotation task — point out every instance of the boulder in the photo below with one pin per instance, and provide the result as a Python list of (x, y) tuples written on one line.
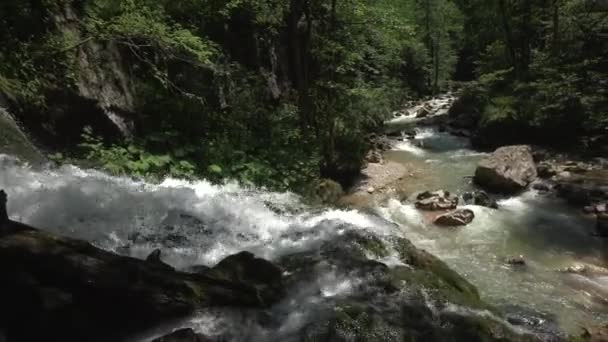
[(328, 191), (480, 198), (436, 201), (456, 218), (183, 335), (508, 170), (244, 268), (154, 258), (602, 225), (516, 260), (423, 112)]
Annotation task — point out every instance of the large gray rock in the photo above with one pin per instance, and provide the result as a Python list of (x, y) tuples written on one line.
[(508, 170), (456, 218)]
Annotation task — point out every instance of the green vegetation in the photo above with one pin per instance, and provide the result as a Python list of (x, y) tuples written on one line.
[(540, 73), (269, 92), (281, 93)]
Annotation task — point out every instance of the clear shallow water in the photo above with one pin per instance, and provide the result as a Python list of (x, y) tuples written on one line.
[(548, 233)]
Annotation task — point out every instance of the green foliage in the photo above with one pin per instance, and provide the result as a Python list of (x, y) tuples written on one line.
[(133, 159), (266, 92), (540, 71)]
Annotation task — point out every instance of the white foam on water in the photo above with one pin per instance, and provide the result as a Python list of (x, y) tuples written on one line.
[(408, 146)]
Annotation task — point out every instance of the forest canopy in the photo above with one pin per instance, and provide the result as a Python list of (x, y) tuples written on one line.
[(280, 92)]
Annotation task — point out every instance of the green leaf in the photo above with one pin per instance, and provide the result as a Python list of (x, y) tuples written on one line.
[(215, 169)]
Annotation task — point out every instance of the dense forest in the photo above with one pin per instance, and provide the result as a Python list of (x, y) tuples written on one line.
[(303, 170), (279, 93)]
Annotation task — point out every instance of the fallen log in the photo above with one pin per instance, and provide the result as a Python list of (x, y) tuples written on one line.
[(55, 288)]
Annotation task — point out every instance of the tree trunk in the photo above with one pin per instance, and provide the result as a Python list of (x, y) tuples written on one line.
[(437, 57), (509, 41), (429, 36), (299, 47), (555, 28)]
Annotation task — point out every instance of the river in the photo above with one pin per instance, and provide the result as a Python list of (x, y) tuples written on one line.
[(199, 223), (549, 234)]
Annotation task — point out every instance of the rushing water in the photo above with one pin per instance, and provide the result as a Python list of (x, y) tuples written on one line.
[(197, 223), (548, 233)]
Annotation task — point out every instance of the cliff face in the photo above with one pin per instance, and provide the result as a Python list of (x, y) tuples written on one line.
[(97, 91), (102, 76), (12, 140)]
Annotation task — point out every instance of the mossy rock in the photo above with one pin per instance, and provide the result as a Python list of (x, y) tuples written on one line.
[(434, 270)]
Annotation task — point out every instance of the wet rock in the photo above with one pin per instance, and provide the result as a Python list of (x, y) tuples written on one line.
[(244, 268), (545, 170), (183, 335), (602, 225), (516, 260), (374, 156), (328, 191), (423, 112), (436, 201), (154, 258), (480, 198), (399, 307), (456, 218), (542, 187), (595, 334), (3, 203), (585, 269), (508, 170)]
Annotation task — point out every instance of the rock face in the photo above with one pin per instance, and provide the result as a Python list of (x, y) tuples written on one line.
[(456, 218), (61, 289), (101, 86), (508, 170), (436, 201), (13, 141)]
